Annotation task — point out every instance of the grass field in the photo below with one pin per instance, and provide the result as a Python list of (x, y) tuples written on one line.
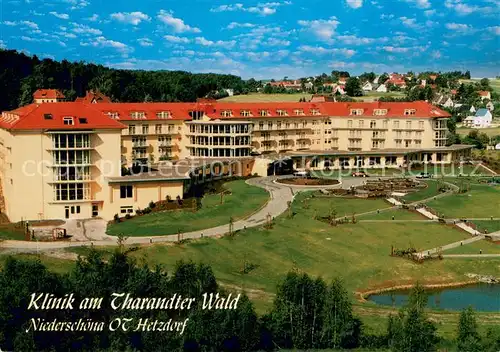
[(372, 96), (482, 201), (488, 225), (494, 83), (11, 232), (491, 131), (486, 247), (430, 191), (243, 200), (398, 214), (261, 97)]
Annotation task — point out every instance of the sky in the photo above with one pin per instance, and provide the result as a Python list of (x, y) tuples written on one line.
[(264, 40)]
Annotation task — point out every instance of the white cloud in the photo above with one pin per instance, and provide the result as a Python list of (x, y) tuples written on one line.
[(276, 42), (412, 23), (177, 24), (464, 9), (460, 28), (436, 54), (421, 4), (429, 13), (9, 23), (318, 50), (263, 9), (354, 40), (205, 42), (393, 49), (77, 4), (386, 16), (323, 29), (102, 42), (494, 30), (145, 42), (28, 24), (84, 29), (93, 18), (175, 39), (342, 65), (63, 16), (133, 18), (66, 34), (355, 4), (234, 25)]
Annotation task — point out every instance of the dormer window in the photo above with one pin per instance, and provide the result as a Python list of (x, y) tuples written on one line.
[(196, 114), (113, 115), (245, 113), (264, 113), (226, 113), (82, 120), (47, 116), (281, 113), (138, 115), (298, 112), (163, 115), (356, 111), (68, 120), (315, 112), (410, 111), (380, 112)]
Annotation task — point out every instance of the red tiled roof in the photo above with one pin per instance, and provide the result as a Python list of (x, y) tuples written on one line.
[(484, 93), (93, 97), (36, 116), (178, 111), (48, 94)]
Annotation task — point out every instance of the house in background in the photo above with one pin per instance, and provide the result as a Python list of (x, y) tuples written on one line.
[(382, 88), (48, 96), (482, 119), (472, 109), (484, 94), (490, 106), (93, 97), (229, 92), (367, 87)]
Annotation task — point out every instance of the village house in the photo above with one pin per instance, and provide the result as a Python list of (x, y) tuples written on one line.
[(482, 119)]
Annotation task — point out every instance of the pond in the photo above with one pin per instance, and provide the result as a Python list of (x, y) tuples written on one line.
[(482, 297)]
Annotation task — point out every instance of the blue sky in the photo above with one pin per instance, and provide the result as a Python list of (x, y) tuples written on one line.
[(271, 39)]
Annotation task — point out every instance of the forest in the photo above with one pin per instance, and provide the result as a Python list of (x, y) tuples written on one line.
[(21, 75), (307, 313)]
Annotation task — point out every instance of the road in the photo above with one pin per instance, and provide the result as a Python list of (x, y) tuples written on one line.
[(280, 195)]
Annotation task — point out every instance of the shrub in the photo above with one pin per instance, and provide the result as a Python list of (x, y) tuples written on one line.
[(146, 210), (169, 198), (116, 218), (138, 212), (152, 204), (128, 216)]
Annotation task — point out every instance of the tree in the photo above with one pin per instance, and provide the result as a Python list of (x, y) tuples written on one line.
[(410, 330), (468, 339), (353, 87)]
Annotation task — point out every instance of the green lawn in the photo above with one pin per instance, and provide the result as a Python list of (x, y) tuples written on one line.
[(488, 225), (261, 97), (485, 246), (482, 201), (11, 232), (430, 191), (450, 170), (494, 83), (399, 214), (243, 201), (53, 264), (372, 96), (492, 131)]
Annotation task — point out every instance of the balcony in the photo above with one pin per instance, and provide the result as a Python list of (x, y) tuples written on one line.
[(139, 145), (72, 178)]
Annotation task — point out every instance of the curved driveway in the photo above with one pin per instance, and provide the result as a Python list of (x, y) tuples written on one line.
[(280, 195)]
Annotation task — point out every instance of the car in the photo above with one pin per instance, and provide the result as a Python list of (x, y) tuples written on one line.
[(424, 175), (359, 174)]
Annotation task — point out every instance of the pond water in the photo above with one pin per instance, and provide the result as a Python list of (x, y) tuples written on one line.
[(482, 297)]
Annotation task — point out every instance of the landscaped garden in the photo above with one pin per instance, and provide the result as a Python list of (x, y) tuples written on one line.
[(242, 200)]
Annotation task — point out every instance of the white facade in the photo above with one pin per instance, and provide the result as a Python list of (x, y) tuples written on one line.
[(367, 87), (382, 88)]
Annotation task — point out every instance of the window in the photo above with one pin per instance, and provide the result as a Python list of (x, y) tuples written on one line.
[(408, 125), (131, 129), (261, 125), (373, 124), (361, 123), (145, 129), (126, 192), (71, 191), (281, 113), (384, 124), (113, 114), (298, 112), (164, 115), (398, 143), (421, 125), (68, 120), (380, 112), (158, 129), (315, 112), (356, 111), (410, 111), (82, 120), (126, 210), (349, 123), (245, 113), (396, 124), (226, 113), (47, 116), (407, 144), (263, 113), (138, 115), (418, 143)]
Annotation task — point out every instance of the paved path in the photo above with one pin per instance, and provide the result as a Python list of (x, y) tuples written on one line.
[(280, 195), (450, 246), (394, 201), (469, 229), (427, 214), (471, 255)]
